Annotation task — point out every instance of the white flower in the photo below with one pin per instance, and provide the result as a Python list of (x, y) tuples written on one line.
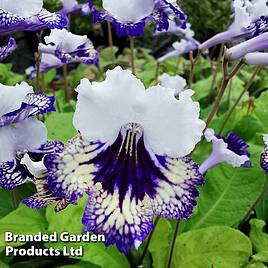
[(171, 127), (175, 82)]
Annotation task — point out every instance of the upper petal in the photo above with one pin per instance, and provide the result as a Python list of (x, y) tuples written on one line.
[(25, 8), (129, 10), (11, 97), (171, 126)]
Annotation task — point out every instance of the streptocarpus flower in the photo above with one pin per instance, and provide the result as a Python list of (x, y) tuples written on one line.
[(130, 17), (27, 15), (255, 44), (175, 82), (264, 155), (70, 6), (33, 162), (63, 47), (20, 132), (130, 157), (7, 50), (187, 43), (231, 149), (250, 19)]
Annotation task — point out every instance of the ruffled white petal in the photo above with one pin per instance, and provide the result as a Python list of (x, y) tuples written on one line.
[(65, 39), (28, 135), (257, 8), (171, 126), (23, 8), (221, 152), (242, 17), (176, 82), (37, 169), (129, 10), (11, 97)]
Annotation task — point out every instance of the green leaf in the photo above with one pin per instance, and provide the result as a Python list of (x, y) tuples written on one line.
[(258, 237), (261, 110), (68, 220), (219, 247), (23, 220), (107, 56), (81, 264), (49, 76), (3, 265), (60, 126), (161, 236), (5, 203), (104, 257), (227, 195)]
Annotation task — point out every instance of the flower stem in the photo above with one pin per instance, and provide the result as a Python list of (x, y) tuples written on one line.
[(173, 243), (66, 85), (247, 216), (38, 58), (110, 34), (226, 79), (193, 64), (215, 69), (148, 242), (247, 87), (132, 53)]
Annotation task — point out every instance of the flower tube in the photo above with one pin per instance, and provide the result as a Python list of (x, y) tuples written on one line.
[(231, 149)]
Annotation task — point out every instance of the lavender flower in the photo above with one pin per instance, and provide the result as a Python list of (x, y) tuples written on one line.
[(129, 164), (256, 44), (250, 19), (187, 43), (27, 15), (70, 6), (7, 50), (130, 17), (231, 149), (20, 132)]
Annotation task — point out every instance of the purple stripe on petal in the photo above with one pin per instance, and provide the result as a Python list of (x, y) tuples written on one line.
[(125, 225), (44, 197), (42, 104), (7, 50), (264, 160), (13, 174)]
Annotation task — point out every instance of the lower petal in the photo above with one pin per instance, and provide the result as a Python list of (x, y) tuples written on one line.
[(176, 195), (124, 224), (12, 175)]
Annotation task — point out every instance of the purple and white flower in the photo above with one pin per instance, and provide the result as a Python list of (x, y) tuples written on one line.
[(28, 15), (72, 6), (187, 43), (62, 47), (130, 157), (20, 132), (231, 149), (250, 19), (130, 17), (175, 82), (255, 44), (7, 50), (264, 155)]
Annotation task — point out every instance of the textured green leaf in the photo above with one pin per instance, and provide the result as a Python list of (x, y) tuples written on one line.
[(68, 220), (160, 243), (218, 247), (227, 195), (60, 126), (22, 221), (258, 237)]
